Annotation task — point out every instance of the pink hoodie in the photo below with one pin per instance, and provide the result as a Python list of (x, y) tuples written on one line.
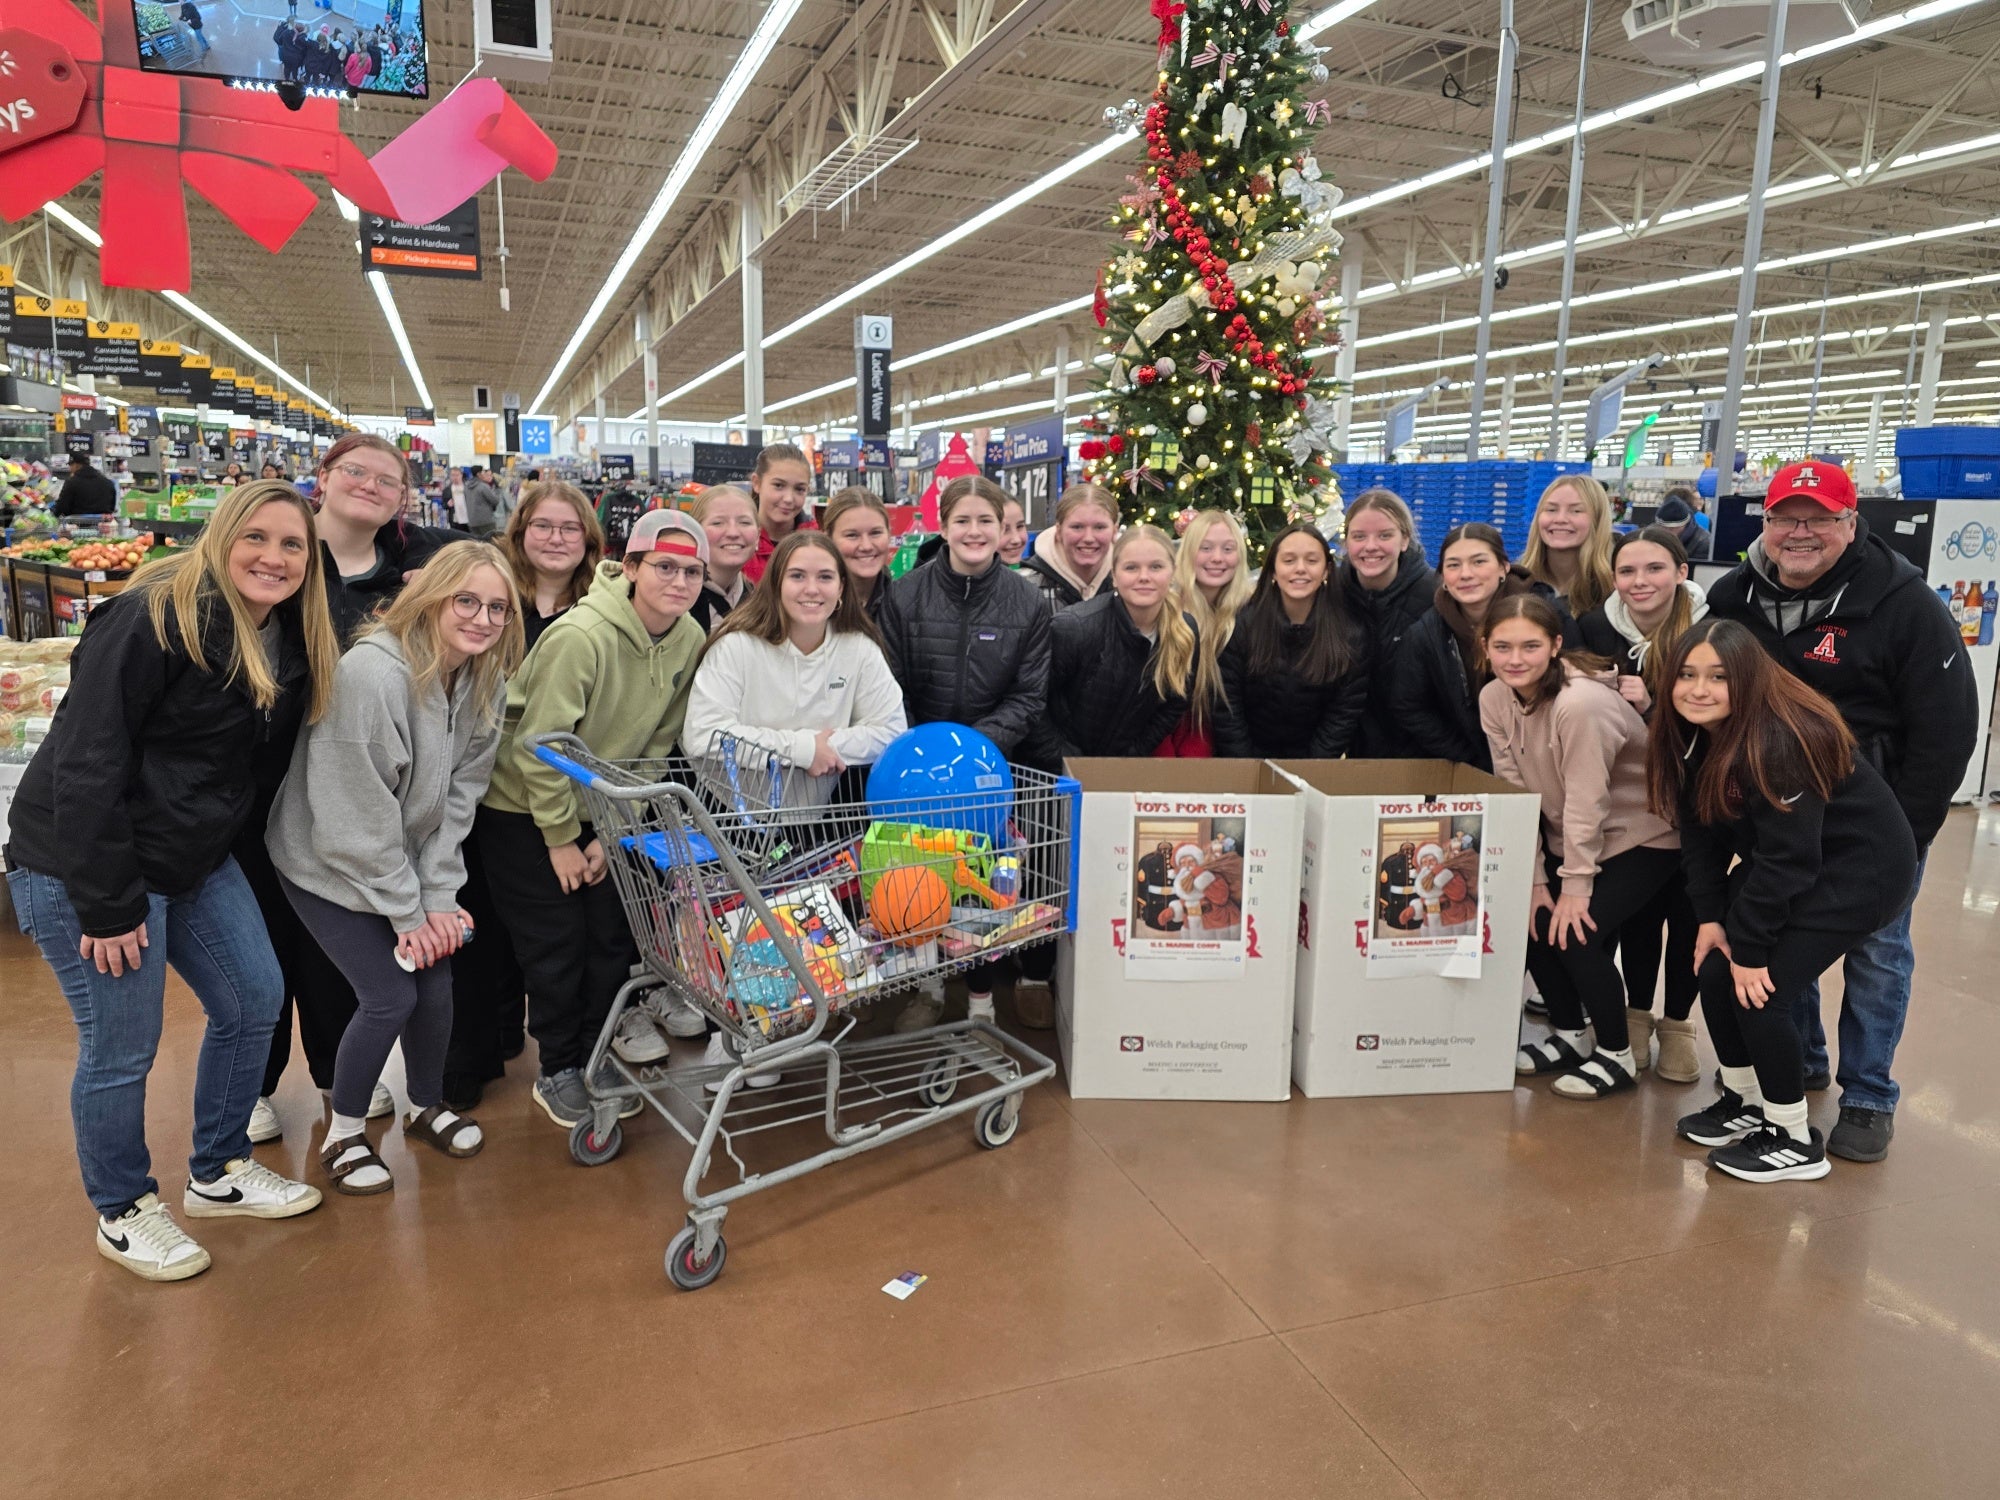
[(1584, 751)]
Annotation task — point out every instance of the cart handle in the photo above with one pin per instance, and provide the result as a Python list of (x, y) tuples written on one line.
[(550, 756)]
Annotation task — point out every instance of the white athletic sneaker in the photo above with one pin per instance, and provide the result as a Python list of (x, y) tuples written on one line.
[(683, 1020), (921, 1013), (146, 1241), (637, 1039), (979, 1008), (249, 1189), (381, 1103), (264, 1123), (721, 1055)]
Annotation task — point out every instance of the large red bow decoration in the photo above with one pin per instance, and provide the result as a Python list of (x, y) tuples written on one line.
[(150, 132)]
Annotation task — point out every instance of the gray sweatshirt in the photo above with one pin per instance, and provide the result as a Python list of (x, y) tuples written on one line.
[(380, 795)]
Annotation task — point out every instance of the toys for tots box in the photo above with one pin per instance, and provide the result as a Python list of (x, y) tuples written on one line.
[(1413, 926), (1177, 983)]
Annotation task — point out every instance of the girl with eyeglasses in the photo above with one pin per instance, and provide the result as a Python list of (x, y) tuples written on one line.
[(553, 545), (615, 671), (364, 486), (367, 829)]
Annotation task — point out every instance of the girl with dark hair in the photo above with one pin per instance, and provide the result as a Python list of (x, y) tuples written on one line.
[(1763, 776), (968, 638), (1072, 558), (553, 544), (781, 489), (858, 522), (1295, 672), (1387, 587), (1441, 668), (1558, 727), (1636, 628)]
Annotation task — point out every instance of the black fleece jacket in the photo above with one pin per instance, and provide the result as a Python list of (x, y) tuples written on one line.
[(1385, 616), (1101, 695), (1872, 636), (1433, 711), (1844, 865), (399, 548), (1275, 715), (152, 764), (970, 650)]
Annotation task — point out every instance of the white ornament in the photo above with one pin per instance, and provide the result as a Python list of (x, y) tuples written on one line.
[(1164, 365), (1202, 461), (1234, 119), (1197, 414)]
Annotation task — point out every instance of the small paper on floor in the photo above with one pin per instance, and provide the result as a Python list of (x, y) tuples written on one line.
[(905, 1284)]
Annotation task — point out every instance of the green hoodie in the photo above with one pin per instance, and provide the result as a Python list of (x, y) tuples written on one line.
[(597, 674)]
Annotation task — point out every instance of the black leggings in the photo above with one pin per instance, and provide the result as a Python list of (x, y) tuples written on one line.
[(1583, 977), (315, 989), (1639, 951), (1767, 1037), (488, 997)]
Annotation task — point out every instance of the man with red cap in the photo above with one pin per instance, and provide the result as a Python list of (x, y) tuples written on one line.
[(615, 671), (1844, 612)]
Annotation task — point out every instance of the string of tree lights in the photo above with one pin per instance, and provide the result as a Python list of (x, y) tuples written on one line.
[(1210, 299)]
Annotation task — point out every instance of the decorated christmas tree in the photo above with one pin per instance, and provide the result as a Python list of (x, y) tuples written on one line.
[(1212, 296)]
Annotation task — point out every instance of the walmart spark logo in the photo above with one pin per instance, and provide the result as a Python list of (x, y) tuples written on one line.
[(7, 64)]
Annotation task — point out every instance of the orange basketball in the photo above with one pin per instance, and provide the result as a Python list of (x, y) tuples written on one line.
[(910, 904)]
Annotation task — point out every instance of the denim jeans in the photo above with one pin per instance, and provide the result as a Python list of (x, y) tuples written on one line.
[(213, 937), (1878, 972)]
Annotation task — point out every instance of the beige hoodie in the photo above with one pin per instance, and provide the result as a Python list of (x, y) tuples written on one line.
[(1584, 751)]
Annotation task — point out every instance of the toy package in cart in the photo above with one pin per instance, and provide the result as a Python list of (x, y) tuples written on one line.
[(777, 905)]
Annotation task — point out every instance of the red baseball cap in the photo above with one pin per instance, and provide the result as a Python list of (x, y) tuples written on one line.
[(1810, 479)]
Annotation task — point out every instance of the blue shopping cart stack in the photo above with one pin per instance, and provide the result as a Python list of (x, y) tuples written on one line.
[(1502, 493)]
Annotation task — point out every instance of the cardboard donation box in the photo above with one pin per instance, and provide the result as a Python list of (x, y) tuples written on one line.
[(1177, 983), (1413, 926)]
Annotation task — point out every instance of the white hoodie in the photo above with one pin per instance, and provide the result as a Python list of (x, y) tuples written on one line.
[(1619, 615), (779, 698)]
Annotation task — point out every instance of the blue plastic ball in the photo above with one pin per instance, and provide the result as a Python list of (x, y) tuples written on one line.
[(944, 776)]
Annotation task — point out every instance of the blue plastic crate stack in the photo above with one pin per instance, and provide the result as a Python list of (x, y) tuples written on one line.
[(1501, 493)]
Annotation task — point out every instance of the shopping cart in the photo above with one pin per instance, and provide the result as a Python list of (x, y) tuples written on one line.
[(746, 884)]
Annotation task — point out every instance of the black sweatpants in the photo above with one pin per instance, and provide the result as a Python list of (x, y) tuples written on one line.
[(487, 994), (314, 986), (1767, 1037), (574, 947), (392, 1005), (1670, 913), (1582, 979)]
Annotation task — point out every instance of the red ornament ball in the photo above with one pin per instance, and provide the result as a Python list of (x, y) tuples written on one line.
[(1117, 442), (1145, 375)]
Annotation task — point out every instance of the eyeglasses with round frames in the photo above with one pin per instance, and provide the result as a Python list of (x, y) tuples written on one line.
[(367, 479), (569, 531), (469, 606)]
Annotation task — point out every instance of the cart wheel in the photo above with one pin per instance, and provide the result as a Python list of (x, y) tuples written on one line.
[(939, 1083), (589, 1149), (993, 1127), (682, 1270)]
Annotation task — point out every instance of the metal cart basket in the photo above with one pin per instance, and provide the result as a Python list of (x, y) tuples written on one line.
[(747, 886)]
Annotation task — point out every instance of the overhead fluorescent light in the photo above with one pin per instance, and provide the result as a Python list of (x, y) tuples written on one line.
[(1332, 16), (381, 284), (720, 111)]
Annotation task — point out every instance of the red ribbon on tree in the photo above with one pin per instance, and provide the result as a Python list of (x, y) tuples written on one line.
[(149, 133)]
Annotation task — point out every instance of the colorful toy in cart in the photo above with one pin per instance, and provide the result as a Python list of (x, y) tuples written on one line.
[(832, 948), (965, 860)]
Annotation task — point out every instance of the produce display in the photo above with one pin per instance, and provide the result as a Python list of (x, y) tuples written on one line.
[(86, 554)]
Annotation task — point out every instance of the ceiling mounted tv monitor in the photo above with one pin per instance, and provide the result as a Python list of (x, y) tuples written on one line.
[(325, 47)]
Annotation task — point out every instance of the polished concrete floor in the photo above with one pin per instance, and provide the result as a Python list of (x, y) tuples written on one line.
[(1478, 1297)]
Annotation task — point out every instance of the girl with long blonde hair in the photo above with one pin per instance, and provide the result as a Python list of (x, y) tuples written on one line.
[(367, 832), (1212, 581), (119, 844), (1569, 544)]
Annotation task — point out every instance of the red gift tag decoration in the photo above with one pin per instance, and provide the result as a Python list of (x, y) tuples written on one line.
[(41, 88)]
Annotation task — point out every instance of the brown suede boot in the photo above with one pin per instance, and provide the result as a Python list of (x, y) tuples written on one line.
[(1639, 1023), (1678, 1063), (1034, 1005)]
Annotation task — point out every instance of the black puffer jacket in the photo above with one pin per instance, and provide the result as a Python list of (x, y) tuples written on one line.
[(152, 764), (1385, 616), (1057, 591), (970, 650), (1275, 715), (399, 548), (1101, 695), (1433, 709), (1873, 637)]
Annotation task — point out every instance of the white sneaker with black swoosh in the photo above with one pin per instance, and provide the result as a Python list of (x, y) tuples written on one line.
[(249, 1189), (146, 1241), (1773, 1155)]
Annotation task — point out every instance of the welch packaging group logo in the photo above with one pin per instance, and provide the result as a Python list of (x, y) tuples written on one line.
[(1368, 1042), (1131, 1044)]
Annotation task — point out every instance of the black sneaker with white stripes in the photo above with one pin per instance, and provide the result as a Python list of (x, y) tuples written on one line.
[(1728, 1119), (1773, 1155)]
